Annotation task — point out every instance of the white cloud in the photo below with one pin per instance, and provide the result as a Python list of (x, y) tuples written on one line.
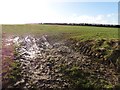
[(110, 15), (98, 19)]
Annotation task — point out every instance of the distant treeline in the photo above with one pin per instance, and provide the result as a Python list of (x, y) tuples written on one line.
[(83, 24)]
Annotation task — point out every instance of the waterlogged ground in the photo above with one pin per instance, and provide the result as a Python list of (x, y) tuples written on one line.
[(42, 63)]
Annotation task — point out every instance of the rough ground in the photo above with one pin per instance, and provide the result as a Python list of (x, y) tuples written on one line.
[(44, 65)]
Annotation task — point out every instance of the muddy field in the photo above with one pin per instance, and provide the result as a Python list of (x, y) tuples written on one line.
[(60, 57), (42, 63)]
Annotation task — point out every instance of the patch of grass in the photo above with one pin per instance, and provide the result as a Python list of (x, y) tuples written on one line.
[(80, 79), (15, 74), (77, 32)]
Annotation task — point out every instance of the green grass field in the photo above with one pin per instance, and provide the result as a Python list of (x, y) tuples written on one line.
[(77, 32)]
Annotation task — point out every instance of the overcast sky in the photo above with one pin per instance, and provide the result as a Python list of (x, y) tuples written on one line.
[(44, 11)]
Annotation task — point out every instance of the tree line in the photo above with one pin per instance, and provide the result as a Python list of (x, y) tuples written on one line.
[(83, 24)]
